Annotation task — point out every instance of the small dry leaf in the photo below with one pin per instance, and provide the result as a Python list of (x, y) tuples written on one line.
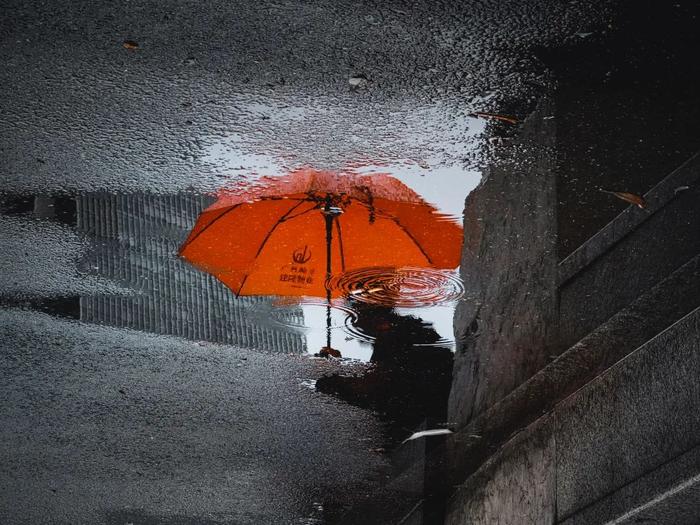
[(632, 198), (495, 116), (130, 44)]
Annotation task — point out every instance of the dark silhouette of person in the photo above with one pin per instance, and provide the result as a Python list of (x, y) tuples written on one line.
[(409, 382)]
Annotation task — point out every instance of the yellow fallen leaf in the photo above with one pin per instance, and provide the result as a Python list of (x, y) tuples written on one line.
[(495, 116), (632, 198)]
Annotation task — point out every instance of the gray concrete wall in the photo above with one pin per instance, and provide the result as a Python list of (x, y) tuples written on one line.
[(503, 323), (633, 253), (537, 335), (639, 415), (630, 423), (516, 486)]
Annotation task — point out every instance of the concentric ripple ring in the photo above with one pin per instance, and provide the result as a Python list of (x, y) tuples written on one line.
[(399, 287)]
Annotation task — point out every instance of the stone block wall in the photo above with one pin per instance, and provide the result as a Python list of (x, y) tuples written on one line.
[(503, 324), (575, 391), (575, 464)]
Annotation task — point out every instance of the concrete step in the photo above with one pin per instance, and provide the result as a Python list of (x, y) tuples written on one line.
[(619, 449), (632, 327), (630, 255), (667, 494)]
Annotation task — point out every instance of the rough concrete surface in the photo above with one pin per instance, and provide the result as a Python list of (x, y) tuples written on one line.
[(516, 487), (41, 258), (631, 420), (668, 494), (645, 256), (219, 92), (626, 112), (504, 322), (621, 448), (109, 425), (97, 423)]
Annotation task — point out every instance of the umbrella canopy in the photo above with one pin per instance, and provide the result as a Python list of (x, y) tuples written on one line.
[(287, 236)]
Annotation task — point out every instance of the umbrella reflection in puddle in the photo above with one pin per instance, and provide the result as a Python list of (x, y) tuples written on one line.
[(313, 233)]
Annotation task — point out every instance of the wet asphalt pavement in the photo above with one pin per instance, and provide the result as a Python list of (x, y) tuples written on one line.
[(112, 424), (101, 423), (224, 91)]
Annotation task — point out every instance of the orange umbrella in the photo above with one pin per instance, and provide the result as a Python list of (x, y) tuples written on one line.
[(288, 236)]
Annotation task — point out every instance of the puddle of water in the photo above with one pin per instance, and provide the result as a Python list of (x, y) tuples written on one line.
[(394, 324), (424, 146), (386, 329), (131, 243)]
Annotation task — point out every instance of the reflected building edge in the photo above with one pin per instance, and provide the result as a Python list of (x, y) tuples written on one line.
[(135, 242)]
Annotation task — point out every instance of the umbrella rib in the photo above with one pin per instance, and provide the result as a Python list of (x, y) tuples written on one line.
[(267, 238), (302, 213), (274, 227), (228, 211), (415, 241), (340, 243), (281, 198), (208, 226)]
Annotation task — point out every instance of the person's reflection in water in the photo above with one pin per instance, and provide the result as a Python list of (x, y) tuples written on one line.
[(409, 382)]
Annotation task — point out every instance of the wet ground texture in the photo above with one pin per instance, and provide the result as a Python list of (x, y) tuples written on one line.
[(138, 388)]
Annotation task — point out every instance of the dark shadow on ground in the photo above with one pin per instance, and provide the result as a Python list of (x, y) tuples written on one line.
[(408, 382)]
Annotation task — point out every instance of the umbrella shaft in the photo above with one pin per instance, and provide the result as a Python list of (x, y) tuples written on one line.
[(329, 242)]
